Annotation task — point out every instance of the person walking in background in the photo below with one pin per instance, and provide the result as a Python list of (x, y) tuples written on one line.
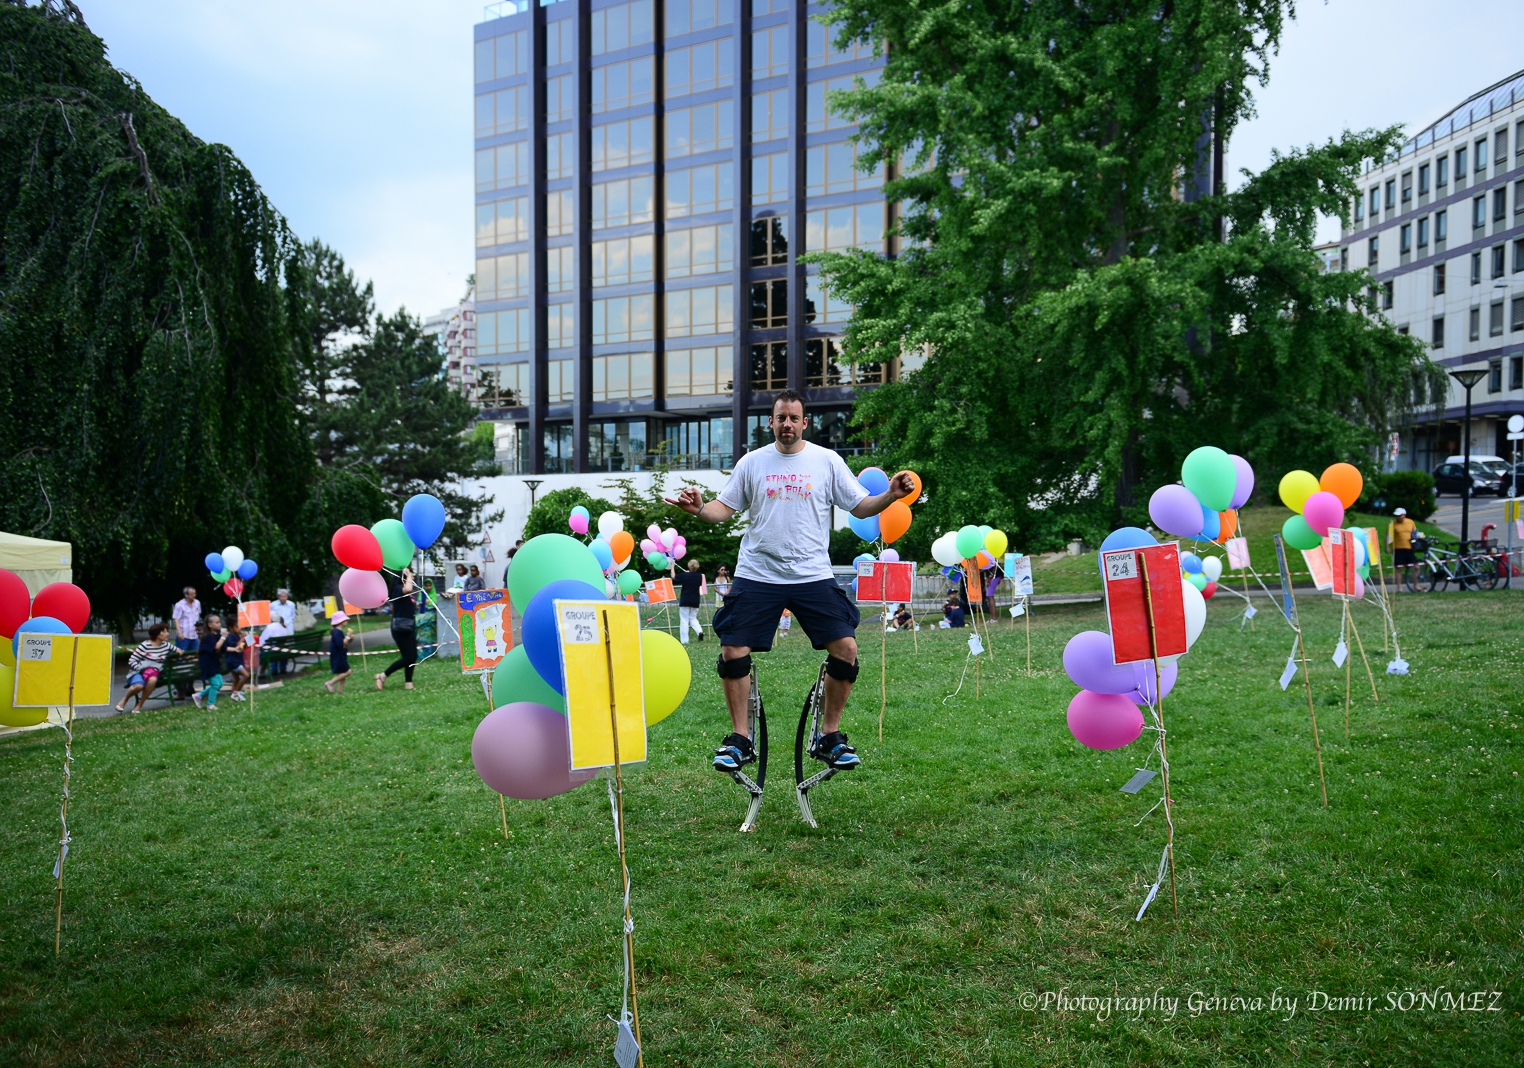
[(282, 625), (187, 615), (233, 667), (209, 657), (145, 665), (1399, 541), (689, 583), (476, 582), (338, 652), (399, 592)]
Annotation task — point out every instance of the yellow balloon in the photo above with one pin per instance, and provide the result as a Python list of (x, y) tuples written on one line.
[(7, 652), (996, 541), (667, 672), (1296, 487), (11, 716)]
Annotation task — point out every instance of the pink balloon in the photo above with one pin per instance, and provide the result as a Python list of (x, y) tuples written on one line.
[(578, 522), (521, 750), (1323, 510), (679, 552), (1359, 588), (1143, 694), (890, 556), (1087, 659), (648, 546), (653, 532), (1104, 720), (364, 588), (1175, 510)]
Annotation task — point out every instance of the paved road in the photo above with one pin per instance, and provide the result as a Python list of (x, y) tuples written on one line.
[(1484, 510)]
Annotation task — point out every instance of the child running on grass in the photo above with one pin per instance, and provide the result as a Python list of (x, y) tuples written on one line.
[(210, 657), (232, 660), (338, 653)]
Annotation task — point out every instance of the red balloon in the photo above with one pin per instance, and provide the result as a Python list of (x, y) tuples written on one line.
[(15, 603), (1209, 589), (233, 586), (357, 547), (65, 602)]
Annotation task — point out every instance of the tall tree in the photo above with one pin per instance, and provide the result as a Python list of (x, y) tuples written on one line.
[(330, 312), (1085, 324)]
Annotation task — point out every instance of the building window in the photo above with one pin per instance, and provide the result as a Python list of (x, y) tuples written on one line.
[(502, 277), (1407, 189), (620, 319), (503, 385), (1423, 232), (1375, 196), (1344, 258), (1441, 226), (1497, 261), (701, 250), (769, 52), (622, 203), (622, 144), (1442, 172), (699, 443), (769, 241), (623, 85), (1518, 256), (1495, 319), (560, 42), (625, 26), (502, 167), (818, 115), (820, 307), (560, 382), (700, 68), (617, 446), (1481, 154), (833, 169), (1423, 180), (1495, 376), (1499, 204), (623, 260), (561, 269), (824, 367), (1372, 252), (820, 51), (1476, 268), (703, 372), (701, 128), (768, 7), (560, 326), (1405, 239), (1500, 147), (560, 101), (502, 332), (853, 226), (626, 376), (768, 304), (696, 312), (1516, 314), (1518, 197), (1439, 279), (502, 56), (502, 222), (769, 178), (505, 111), (1391, 194), (1438, 337), (1478, 212), (1386, 296), (767, 367), (699, 190), (1516, 372), (769, 115), (560, 155), (560, 212), (559, 440), (1475, 323), (1359, 209), (1460, 167), (690, 16)]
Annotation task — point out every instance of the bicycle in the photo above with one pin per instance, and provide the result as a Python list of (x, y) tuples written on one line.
[(1469, 569)]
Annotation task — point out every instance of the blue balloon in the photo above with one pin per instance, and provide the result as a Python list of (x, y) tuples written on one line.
[(874, 481), (539, 628), (214, 562), (423, 517), (866, 529), (1211, 524), (1190, 563), (38, 625), (860, 557), (604, 552), (247, 570), (1123, 538)]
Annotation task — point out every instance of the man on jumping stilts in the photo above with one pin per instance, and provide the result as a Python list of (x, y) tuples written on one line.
[(788, 491)]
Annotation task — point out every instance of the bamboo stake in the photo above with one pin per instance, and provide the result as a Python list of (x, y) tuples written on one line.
[(883, 685), (1348, 664), (63, 839), (1361, 646), (1245, 574), (1026, 601), (1317, 744), (629, 935), (1153, 650)]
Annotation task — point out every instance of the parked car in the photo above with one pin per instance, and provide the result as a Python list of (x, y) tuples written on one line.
[(1511, 479), (1450, 478)]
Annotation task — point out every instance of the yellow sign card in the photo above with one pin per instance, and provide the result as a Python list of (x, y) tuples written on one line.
[(593, 634), (45, 662)]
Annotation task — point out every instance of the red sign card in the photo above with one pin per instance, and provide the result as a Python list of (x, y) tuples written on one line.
[(660, 591), (973, 586), (1127, 608), (1341, 551), (882, 582)]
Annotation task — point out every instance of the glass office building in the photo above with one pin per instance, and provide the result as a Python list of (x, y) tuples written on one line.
[(648, 174)]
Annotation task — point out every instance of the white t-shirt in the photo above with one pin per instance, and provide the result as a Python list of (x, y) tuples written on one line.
[(788, 499)]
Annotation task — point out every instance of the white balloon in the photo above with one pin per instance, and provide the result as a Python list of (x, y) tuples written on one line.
[(1195, 613), (232, 557), (612, 589), (945, 550), (610, 523), (1362, 554), (1211, 567)]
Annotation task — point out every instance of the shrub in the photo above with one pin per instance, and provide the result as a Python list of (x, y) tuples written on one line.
[(1390, 490)]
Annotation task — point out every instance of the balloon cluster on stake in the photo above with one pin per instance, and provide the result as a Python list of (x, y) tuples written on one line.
[(232, 569), (1320, 504), (888, 526), (614, 549), (58, 608), (984, 545), (388, 544)]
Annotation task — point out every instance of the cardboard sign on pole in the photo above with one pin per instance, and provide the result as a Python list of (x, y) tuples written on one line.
[(483, 618), (580, 629), (885, 582), (254, 614), (1341, 562), (1288, 603), (1319, 565), (1126, 610), (50, 672), (972, 582), (1238, 554), (331, 605), (1019, 568), (660, 591)]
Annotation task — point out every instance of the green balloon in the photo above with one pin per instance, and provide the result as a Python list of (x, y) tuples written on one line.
[(223, 575), (544, 559), (515, 679), (1197, 579), (396, 547), (1299, 535), (629, 582), (1208, 472), (968, 542), (1364, 571)]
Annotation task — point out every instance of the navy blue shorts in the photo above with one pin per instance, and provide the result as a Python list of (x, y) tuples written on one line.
[(752, 609)]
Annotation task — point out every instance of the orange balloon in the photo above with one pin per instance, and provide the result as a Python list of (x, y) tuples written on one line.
[(917, 479), (893, 522), (1227, 525), (1344, 482), (623, 544)]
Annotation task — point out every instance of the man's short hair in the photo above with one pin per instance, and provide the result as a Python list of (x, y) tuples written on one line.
[(188, 589), (693, 565), (788, 396)]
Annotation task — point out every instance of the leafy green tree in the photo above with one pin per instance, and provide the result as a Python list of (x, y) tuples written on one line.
[(549, 514), (329, 312), (1084, 324)]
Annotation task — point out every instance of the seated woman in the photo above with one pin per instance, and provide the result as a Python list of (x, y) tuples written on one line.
[(903, 620), (145, 665)]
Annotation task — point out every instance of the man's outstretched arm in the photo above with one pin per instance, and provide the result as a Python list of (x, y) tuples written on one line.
[(900, 487), (691, 500)]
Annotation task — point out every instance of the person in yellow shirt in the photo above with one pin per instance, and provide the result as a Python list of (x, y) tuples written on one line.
[(1399, 539)]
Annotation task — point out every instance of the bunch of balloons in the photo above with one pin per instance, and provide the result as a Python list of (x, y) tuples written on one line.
[(1203, 573), (614, 549), (389, 543), (1204, 504), (1318, 502), (231, 568), (520, 749), (890, 524), (984, 545), (58, 608), (663, 546)]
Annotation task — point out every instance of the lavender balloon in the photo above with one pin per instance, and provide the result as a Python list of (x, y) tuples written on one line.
[(1144, 693), (1243, 489), (1087, 659), (1175, 510), (1104, 720), (521, 750)]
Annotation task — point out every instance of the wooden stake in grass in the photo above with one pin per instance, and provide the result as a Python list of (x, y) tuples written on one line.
[(1026, 602), (1361, 646), (1317, 745), (63, 812), (883, 684), (1153, 652), (624, 868), (1347, 665)]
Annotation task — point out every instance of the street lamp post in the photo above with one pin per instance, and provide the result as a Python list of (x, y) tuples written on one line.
[(1467, 379), (535, 483)]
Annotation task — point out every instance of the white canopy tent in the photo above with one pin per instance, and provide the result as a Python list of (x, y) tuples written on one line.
[(37, 560)]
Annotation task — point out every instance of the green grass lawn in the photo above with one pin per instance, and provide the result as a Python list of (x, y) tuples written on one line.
[(324, 880)]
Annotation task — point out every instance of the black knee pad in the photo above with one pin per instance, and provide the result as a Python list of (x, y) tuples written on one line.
[(840, 669), (738, 668)]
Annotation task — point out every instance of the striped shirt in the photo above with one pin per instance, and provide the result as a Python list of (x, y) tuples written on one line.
[(148, 655)]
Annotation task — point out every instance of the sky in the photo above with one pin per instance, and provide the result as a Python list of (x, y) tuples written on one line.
[(356, 117)]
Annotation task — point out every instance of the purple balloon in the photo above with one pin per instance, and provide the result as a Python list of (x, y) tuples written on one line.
[(1244, 487), (521, 750), (1144, 692), (1175, 510), (1087, 659), (1104, 720)]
